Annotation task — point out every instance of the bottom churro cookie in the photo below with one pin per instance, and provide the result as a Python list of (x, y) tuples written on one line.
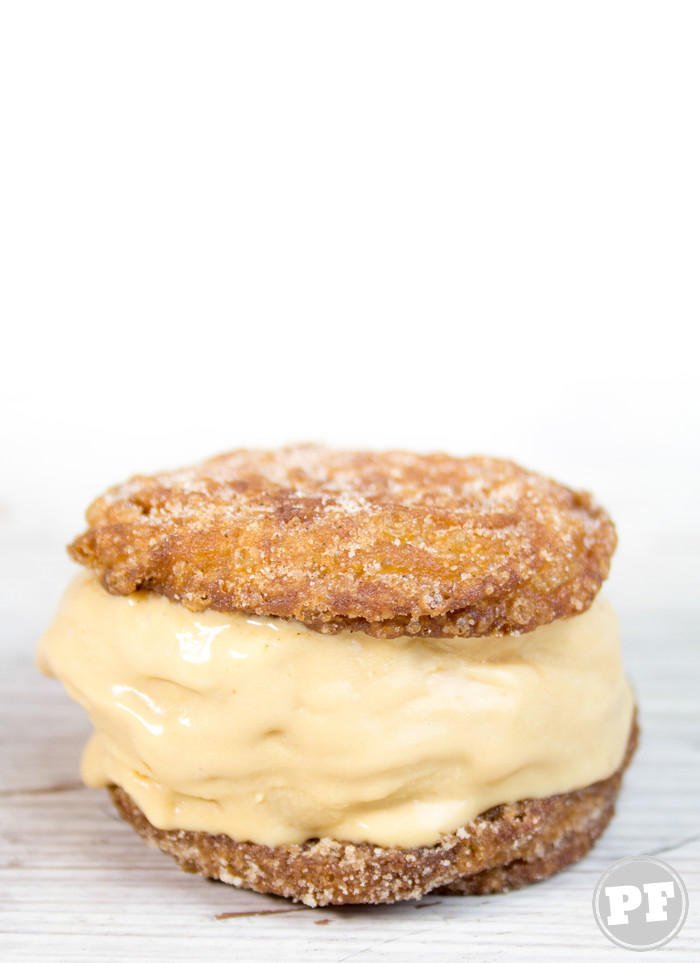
[(504, 848)]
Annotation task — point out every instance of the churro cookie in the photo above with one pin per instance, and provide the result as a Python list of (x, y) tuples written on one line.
[(350, 677), (390, 543), (505, 848)]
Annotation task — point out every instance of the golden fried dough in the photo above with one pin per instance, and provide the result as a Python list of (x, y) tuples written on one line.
[(505, 848), (389, 543)]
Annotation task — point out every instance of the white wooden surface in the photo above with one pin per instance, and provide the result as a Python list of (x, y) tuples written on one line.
[(77, 884)]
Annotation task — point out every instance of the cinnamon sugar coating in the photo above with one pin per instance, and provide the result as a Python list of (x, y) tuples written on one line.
[(390, 543), (504, 848)]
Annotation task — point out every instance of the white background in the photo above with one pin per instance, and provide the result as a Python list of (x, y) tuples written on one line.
[(462, 226)]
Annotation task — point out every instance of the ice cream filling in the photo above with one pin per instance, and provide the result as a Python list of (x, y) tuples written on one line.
[(269, 732)]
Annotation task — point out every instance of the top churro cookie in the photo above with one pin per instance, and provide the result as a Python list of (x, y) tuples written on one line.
[(390, 543)]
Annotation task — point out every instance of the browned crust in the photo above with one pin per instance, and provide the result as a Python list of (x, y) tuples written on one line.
[(390, 543), (505, 848)]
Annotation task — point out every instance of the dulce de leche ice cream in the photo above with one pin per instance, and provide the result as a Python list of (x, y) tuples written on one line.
[(350, 677)]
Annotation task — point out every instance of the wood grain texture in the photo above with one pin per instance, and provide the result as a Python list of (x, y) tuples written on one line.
[(77, 884)]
